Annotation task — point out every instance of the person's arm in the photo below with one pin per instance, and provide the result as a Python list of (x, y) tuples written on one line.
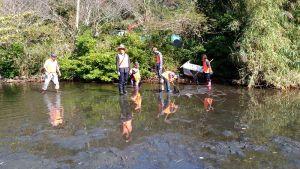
[(57, 69), (128, 62), (161, 60), (45, 66), (117, 63)]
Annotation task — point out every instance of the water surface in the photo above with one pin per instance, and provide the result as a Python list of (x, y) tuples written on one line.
[(92, 126)]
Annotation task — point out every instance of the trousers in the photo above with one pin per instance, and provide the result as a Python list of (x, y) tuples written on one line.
[(124, 72), (51, 77)]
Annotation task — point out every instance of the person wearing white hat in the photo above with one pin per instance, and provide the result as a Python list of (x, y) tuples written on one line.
[(123, 67)]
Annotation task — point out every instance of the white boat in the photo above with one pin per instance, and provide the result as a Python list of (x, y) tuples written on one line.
[(190, 69)]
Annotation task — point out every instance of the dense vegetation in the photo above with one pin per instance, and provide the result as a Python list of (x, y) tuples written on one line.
[(255, 42)]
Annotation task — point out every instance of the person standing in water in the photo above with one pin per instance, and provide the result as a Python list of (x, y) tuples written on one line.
[(123, 67), (52, 72), (159, 62), (135, 76), (207, 70)]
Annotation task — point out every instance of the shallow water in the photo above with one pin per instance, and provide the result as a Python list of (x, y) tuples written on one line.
[(91, 126)]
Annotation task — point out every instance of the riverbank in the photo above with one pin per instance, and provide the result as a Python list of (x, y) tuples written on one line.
[(151, 80), (21, 79)]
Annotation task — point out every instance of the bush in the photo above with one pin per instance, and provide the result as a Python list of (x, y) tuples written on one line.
[(9, 59)]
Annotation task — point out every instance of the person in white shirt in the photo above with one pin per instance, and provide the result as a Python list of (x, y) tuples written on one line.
[(51, 72), (123, 68)]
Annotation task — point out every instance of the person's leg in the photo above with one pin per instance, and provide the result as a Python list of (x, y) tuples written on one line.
[(121, 80), (48, 78), (157, 70), (136, 84), (55, 81), (208, 79), (167, 84), (126, 73)]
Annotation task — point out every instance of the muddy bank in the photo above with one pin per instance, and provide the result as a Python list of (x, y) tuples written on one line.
[(22, 79)]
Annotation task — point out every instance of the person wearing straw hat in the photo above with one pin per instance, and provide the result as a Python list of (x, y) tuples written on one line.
[(52, 72), (123, 67)]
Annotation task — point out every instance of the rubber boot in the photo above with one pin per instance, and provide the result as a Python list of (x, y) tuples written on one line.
[(124, 90), (121, 90)]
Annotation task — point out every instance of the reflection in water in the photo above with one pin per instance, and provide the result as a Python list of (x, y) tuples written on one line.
[(269, 115), (166, 107), (56, 110), (126, 118), (248, 129), (137, 100), (208, 101)]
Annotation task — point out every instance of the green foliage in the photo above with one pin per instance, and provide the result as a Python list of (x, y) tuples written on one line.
[(85, 44), (253, 40), (26, 41), (9, 56), (270, 46)]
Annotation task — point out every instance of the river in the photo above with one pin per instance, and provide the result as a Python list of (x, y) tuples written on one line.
[(92, 126)]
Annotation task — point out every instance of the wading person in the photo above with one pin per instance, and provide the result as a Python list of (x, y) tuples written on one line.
[(207, 70), (123, 66), (158, 62), (135, 76), (168, 78), (52, 72)]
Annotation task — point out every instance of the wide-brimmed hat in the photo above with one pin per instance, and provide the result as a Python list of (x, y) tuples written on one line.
[(121, 47)]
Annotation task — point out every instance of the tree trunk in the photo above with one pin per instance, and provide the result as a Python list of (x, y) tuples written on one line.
[(77, 14)]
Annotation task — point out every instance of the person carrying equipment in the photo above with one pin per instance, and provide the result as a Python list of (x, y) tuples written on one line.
[(207, 70), (51, 69), (123, 67), (168, 77)]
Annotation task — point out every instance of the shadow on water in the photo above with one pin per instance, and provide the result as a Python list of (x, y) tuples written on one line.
[(92, 126)]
